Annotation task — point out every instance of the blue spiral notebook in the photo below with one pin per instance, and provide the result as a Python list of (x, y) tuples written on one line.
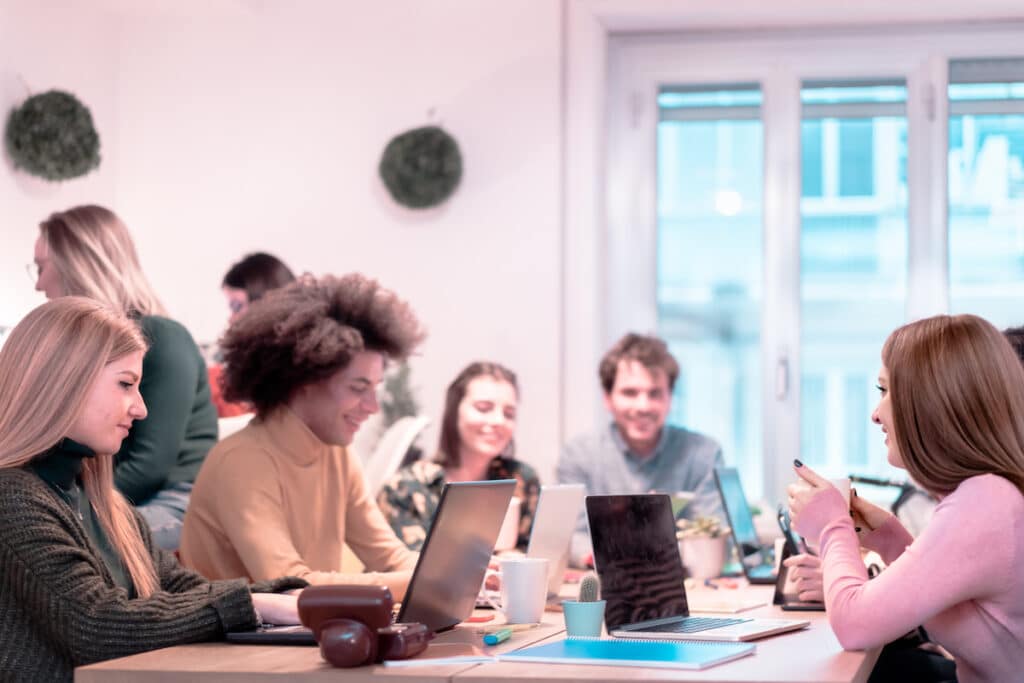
[(662, 654)]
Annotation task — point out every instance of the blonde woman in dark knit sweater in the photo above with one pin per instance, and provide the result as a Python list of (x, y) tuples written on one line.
[(82, 580)]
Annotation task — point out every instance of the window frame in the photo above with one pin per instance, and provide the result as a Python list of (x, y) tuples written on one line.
[(639, 66)]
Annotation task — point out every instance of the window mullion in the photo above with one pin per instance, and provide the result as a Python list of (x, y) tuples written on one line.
[(780, 328), (927, 142)]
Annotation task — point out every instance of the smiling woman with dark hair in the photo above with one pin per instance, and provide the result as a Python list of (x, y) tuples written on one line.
[(283, 495), (476, 443)]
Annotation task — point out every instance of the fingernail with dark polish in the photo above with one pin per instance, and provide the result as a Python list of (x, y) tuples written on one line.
[(797, 463)]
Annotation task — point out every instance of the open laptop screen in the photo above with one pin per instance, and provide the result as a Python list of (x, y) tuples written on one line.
[(454, 556), (736, 508), (637, 558)]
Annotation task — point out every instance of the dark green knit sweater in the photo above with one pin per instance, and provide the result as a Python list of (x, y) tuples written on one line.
[(61, 608), (169, 446)]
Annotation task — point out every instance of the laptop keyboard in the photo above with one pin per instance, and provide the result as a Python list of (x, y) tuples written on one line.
[(693, 625)]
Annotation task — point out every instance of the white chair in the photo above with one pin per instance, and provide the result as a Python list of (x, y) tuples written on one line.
[(391, 449), (226, 426)]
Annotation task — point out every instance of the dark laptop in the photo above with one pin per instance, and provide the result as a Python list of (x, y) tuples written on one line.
[(451, 567), (637, 559), (755, 559)]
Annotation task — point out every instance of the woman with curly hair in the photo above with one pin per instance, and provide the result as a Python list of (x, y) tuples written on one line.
[(87, 251), (284, 494), (476, 444), (82, 579), (951, 409)]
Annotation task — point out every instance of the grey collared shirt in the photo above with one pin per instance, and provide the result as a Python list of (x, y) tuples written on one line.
[(682, 461)]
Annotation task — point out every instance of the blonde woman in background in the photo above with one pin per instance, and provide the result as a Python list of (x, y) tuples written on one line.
[(82, 579), (87, 251)]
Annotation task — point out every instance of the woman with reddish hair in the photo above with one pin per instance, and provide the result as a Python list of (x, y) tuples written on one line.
[(951, 410)]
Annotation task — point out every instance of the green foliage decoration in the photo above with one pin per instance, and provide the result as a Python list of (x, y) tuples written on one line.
[(398, 399), (421, 167), (51, 135), (710, 527)]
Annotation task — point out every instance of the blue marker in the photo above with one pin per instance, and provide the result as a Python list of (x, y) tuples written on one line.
[(499, 636)]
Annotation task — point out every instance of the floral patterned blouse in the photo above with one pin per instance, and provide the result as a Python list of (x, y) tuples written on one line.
[(409, 500)]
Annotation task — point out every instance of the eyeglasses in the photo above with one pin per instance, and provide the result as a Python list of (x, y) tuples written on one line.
[(33, 271)]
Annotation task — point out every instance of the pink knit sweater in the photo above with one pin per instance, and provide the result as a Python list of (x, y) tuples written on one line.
[(963, 578)]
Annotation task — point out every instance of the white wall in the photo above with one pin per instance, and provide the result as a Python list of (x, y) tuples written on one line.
[(237, 125), (262, 127), (46, 45)]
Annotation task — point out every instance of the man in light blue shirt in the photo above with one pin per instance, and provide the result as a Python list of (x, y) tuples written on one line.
[(637, 452)]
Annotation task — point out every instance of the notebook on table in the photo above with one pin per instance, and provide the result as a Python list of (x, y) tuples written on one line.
[(755, 559), (661, 654), (637, 559), (452, 564), (558, 508)]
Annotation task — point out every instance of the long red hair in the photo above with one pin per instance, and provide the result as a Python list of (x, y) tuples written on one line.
[(957, 392)]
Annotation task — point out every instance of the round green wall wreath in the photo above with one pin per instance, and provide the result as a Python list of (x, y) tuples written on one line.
[(51, 135), (421, 167)]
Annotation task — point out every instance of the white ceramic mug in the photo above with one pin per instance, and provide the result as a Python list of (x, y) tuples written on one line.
[(509, 533), (841, 483), (524, 589)]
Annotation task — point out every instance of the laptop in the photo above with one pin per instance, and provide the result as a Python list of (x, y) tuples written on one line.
[(755, 559), (637, 559), (454, 557), (451, 568), (558, 508)]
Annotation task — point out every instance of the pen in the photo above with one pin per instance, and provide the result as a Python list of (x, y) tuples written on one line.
[(499, 636), (710, 584)]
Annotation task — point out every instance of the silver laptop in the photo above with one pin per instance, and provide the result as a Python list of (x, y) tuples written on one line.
[(637, 560), (557, 511), (451, 567)]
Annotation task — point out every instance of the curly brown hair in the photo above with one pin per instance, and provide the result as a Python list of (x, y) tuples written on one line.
[(650, 352), (308, 331)]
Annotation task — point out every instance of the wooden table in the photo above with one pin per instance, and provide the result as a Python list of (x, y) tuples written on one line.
[(810, 655), (223, 662), (813, 654)]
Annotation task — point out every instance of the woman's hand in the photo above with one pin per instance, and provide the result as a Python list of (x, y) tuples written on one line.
[(813, 502), (805, 573), (276, 608), (867, 516)]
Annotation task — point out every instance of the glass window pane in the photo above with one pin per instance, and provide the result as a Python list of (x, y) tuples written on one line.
[(853, 269), (986, 194), (710, 179)]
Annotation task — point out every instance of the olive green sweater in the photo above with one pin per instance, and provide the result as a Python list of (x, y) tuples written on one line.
[(169, 446), (60, 607)]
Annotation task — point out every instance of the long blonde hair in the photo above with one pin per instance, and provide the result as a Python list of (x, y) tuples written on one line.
[(47, 367), (957, 392), (93, 254)]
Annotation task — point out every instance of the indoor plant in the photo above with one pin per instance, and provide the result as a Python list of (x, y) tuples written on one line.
[(702, 545)]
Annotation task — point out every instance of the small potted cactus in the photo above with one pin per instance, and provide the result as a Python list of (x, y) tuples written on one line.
[(703, 542), (584, 617)]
